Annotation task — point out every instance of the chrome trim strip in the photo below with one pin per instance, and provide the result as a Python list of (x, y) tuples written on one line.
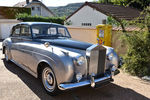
[(80, 84)]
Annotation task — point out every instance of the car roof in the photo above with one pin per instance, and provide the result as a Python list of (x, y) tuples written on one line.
[(36, 23)]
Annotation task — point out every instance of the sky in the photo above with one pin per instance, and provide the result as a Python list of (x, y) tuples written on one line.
[(46, 2)]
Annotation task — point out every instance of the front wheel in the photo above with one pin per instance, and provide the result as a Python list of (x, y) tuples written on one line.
[(49, 81)]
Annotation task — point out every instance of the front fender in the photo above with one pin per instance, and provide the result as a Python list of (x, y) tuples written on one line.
[(60, 62), (64, 69)]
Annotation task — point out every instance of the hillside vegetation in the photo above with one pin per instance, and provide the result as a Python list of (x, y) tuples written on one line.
[(62, 11)]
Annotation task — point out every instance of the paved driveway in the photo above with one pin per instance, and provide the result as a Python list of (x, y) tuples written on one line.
[(16, 84)]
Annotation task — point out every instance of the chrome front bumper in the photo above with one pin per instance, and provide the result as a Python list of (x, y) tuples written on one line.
[(107, 78)]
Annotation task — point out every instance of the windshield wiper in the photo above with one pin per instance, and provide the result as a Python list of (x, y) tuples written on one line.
[(64, 36), (50, 36), (46, 36)]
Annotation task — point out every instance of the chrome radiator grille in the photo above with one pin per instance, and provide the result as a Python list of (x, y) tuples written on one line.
[(96, 54)]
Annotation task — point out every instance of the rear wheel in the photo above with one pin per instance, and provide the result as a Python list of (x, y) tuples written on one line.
[(49, 81)]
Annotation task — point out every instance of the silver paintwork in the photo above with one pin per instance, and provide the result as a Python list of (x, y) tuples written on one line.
[(29, 54), (6, 55)]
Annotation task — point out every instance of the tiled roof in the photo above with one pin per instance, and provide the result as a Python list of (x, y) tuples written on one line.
[(23, 4), (118, 12), (128, 29), (20, 4)]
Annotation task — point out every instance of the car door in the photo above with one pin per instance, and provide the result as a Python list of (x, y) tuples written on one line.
[(16, 39), (21, 41), (25, 48)]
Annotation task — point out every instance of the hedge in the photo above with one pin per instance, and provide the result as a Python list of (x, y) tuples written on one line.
[(29, 18)]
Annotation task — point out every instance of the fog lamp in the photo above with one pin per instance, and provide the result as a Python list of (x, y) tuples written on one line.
[(78, 76)]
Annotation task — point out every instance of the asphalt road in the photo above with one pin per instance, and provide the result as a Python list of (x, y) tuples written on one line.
[(17, 84)]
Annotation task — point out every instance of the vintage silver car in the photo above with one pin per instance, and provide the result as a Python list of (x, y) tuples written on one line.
[(47, 51)]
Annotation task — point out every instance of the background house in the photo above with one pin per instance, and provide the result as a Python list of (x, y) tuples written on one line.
[(37, 8), (8, 19), (92, 14)]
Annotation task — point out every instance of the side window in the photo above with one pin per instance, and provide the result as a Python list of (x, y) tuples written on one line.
[(16, 31), (36, 30), (25, 31), (52, 31), (62, 31)]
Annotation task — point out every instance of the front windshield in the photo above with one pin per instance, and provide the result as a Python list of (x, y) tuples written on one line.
[(49, 31)]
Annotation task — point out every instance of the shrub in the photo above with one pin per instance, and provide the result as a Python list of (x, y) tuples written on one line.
[(28, 18), (137, 58)]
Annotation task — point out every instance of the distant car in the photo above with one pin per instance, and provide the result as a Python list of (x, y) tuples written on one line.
[(46, 51)]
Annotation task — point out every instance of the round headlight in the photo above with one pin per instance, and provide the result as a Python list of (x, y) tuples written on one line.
[(80, 60)]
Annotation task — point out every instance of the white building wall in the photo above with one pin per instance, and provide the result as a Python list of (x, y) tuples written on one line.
[(41, 12), (6, 26), (35, 11), (46, 13), (87, 15)]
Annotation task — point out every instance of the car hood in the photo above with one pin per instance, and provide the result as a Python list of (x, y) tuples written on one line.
[(69, 43)]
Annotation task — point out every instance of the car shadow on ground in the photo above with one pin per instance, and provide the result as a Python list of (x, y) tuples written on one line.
[(111, 91)]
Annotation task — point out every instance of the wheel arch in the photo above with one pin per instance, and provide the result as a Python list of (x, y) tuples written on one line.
[(40, 66)]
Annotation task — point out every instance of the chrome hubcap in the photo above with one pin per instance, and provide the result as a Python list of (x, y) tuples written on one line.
[(48, 79)]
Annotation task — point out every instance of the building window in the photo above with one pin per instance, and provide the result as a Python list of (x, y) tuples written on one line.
[(38, 8), (86, 24), (33, 8), (104, 21)]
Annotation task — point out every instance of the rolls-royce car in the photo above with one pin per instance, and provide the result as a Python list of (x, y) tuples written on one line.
[(47, 51)]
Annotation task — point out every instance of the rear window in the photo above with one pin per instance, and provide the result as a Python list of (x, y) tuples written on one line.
[(16, 31)]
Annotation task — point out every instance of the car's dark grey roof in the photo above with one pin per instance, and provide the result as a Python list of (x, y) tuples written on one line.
[(35, 23)]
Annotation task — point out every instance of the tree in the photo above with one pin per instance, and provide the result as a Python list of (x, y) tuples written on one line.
[(139, 4), (104, 1), (137, 58)]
